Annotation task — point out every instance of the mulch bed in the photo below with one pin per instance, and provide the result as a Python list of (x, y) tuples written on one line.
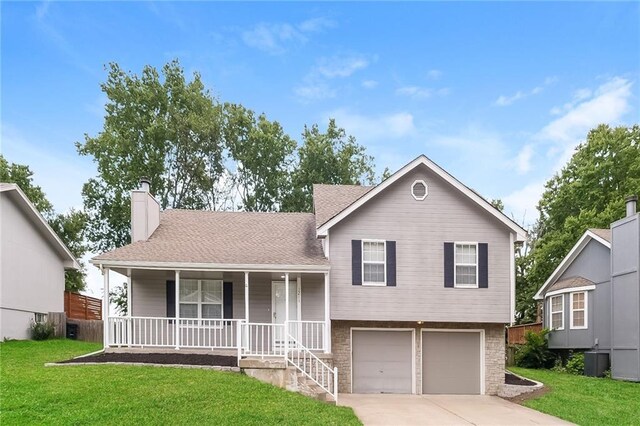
[(159, 358), (512, 379)]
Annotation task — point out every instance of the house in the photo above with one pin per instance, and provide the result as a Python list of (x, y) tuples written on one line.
[(592, 300), (404, 287), (33, 260)]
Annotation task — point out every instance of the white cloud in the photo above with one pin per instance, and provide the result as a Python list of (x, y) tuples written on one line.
[(504, 100), (521, 204), (415, 92), (315, 25), (376, 127), (340, 66), (523, 159), (274, 38), (311, 92), (369, 84), (315, 85), (434, 74)]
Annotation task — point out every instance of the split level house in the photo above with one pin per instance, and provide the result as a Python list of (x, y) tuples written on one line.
[(403, 287), (33, 261), (592, 300)]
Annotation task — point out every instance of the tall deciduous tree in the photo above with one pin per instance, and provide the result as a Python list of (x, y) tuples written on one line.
[(587, 193), (331, 157), (69, 226), (167, 129)]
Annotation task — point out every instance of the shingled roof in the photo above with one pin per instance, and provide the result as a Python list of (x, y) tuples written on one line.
[(605, 234), (571, 282), (224, 238), (329, 200)]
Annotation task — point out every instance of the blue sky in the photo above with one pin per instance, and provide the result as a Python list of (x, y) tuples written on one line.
[(497, 93)]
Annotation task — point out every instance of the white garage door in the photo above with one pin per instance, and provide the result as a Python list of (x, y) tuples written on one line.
[(451, 362), (382, 361)]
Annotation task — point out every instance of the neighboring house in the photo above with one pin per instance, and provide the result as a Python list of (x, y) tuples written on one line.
[(592, 300), (405, 287), (32, 261)]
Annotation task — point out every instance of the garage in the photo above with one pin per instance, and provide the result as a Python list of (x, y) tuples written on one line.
[(452, 362), (382, 361)]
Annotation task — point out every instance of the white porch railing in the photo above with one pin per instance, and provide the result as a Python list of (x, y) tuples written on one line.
[(309, 333), (313, 367), (262, 339)]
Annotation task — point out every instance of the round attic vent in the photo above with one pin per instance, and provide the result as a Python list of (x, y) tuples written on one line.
[(419, 190)]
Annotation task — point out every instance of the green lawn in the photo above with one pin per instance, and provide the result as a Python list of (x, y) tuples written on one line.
[(585, 400), (110, 394)]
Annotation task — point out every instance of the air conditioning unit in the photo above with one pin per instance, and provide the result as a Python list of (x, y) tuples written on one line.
[(595, 363)]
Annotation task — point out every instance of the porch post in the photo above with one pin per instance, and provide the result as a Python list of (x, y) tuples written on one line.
[(286, 314), (246, 296), (129, 326), (105, 307), (327, 314), (177, 320)]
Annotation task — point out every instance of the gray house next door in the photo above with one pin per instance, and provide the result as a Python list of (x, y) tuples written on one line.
[(452, 362), (382, 361)]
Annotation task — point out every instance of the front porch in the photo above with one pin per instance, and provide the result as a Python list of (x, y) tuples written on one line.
[(248, 313)]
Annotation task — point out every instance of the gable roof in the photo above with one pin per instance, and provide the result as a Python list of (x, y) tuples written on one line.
[(32, 214), (329, 200), (422, 159), (572, 282), (603, 236), (225, 240)]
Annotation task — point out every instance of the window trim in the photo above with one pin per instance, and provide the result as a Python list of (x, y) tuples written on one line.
[(585, 309), (199, 303), (384, 262), (455, 264), (561, 311), (426, 189)]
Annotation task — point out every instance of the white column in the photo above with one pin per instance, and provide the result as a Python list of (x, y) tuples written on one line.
[(286, 314), (512, 276), (177, 320), (105, 307), (327, 314), (129, 307), (246, 296)]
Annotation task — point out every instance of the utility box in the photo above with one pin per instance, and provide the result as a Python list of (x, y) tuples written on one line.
[(595, 363), (72, 331)]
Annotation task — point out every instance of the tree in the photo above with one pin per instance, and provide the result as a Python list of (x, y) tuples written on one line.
[(262, 154), (332, 158), (168, 130), (69, 226), (118, 296), (587, 193)]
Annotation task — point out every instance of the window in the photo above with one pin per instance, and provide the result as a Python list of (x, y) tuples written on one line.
[(40, 318), (419, 190), (557, 312), (373, 263), (466, 270), (201, 299), (579, 310)]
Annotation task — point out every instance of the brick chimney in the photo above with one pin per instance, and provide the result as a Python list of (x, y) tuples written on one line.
[(145, 212)]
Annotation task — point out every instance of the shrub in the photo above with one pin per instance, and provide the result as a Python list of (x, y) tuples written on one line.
[(558, 367), (535, 352), (575, 365), (42, 330)]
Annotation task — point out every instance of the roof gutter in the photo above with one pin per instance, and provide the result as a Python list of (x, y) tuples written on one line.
[(215, 267)]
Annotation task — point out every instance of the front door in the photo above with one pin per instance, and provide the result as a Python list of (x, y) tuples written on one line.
[(278, 305)]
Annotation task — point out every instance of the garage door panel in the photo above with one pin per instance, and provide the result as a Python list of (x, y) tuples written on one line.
[(451, 362), (382, 361)]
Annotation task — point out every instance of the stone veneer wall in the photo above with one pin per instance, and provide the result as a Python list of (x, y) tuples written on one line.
[(494, 349)]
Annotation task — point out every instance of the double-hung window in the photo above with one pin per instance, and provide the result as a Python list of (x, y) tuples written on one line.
[(374, 262), (579, 310), (557, 312), (466, 270), (201, 299)]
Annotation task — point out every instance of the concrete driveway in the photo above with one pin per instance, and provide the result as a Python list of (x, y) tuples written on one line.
[(442, 410)]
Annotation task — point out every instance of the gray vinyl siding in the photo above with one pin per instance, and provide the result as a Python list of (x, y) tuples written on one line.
[(149, 294), (31, 272), (593, 263), (420, 229), (625, 299)]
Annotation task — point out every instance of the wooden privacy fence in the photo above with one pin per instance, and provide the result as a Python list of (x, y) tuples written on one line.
[(515, 334), (78, 306)]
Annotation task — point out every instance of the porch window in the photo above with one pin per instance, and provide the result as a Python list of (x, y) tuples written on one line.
[(201, 299), (466, 270), (579, 310), (557, 312), (373, 262)]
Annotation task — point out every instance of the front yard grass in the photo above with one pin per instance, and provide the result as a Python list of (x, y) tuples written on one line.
[(585, 400), (31, 393)]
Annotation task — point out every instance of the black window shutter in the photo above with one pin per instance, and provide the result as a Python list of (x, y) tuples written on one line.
[(391, 263), (449, 264), (227, 298), (356, 262), (483, 265), (171, 299)]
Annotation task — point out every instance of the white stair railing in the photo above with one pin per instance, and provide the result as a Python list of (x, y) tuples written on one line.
[(313, 367)]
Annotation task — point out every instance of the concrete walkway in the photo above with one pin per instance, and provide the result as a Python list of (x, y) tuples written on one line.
[(442, 410)]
